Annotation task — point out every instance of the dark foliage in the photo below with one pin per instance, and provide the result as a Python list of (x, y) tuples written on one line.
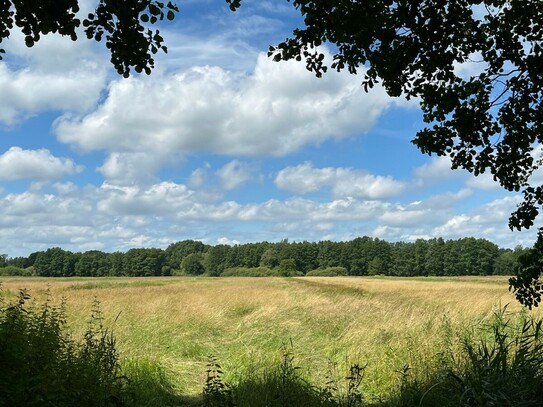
[(42, 365), (361, 256), (122, 24)]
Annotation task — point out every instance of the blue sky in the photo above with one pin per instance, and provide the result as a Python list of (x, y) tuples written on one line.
[(219, 144)]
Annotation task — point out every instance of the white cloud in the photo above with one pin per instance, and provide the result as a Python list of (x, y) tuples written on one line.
[(276, 110), (473, 67), (430, 212), (438, 169), (406, 218), (57, 74), (188, 50), (488, 221), (160, 199), (131, 168), (198, 177), (235, 173), (118, 217), (344, 182), (227, 241), (65, 188), (483, 182), (38, 165), (446, 200), (303, 209)]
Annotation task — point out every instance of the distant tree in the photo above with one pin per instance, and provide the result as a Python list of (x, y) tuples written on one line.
[(116, 264), (434, 264), (360, 254), (3, 260), (329, 254), (403, 263), (50, 263), (269, 258), (215, 260), (376, 267), (305, 254), (420, 252), (22, 262), (143, 262), (250, 254), (69, 263), (287, 267), (94, 263), (192, 264), (176, 252), (505, 263)]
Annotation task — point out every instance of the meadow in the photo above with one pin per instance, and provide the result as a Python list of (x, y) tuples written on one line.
[(393, 326)]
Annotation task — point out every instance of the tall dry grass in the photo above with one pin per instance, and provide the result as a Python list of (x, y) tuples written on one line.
[(387, 323)]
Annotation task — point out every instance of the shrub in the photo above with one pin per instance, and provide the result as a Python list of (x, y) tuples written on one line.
[(250, 272), (282, 386), (507, 368), (328, 272), (499, 364), (15, 271), (259, 272), (42, 365)]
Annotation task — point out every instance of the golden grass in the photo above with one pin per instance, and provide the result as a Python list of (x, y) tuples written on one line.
[(178, 322)]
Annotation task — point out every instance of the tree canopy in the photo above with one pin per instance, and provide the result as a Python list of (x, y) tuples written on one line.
[(359, 257), (124, 25)]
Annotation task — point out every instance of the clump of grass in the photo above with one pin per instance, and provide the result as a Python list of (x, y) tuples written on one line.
[(149, 384), (500, 363), (43, 365), (507, 368), (282, 386)]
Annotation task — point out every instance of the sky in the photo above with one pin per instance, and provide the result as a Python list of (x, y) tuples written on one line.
[(219, 144)]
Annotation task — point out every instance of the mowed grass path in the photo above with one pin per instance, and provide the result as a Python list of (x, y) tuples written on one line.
[(386, 323)]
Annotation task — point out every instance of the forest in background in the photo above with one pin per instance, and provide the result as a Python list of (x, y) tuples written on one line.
[(359, 257)]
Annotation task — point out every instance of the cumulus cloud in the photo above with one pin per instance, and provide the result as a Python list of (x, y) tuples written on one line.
[(438, 169), (160, 199), (488, 221), (235, 173), (199, 176), (227, 241), (348, 209), (483, 182), (344, 182), (57, 74), (130, 168), (38, 165), (118, 217), (413, 217), (275, 110)]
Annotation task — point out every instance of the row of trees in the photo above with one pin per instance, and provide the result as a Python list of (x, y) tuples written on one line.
[(361, 256)]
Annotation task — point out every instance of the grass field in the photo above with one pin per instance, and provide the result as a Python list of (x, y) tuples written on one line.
[(386, 323)]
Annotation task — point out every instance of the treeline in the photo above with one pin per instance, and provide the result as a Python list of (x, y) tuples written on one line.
[(358, 257)]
